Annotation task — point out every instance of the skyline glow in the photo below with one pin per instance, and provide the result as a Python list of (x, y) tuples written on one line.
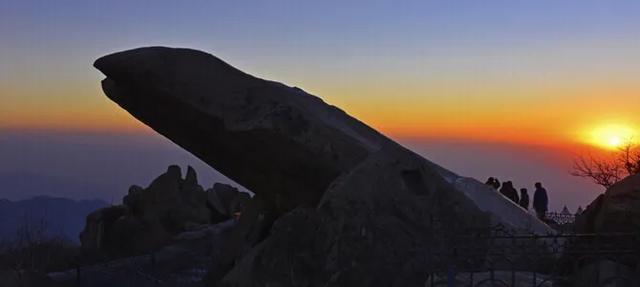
[(536, 73)]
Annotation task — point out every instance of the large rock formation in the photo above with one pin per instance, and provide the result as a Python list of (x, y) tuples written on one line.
[(183, 262), (617, 210), (275, 140), (373, 227), (150, 217), (337, 203)]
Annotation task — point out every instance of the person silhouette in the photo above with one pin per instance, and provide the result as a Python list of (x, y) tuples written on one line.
[(508, 191), (524, 198), (540, 201), (493, 182), (496, 183)]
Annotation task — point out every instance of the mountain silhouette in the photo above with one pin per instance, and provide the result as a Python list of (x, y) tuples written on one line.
[(61, 216)]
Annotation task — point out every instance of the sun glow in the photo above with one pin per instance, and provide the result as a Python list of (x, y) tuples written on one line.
[(612, 136)]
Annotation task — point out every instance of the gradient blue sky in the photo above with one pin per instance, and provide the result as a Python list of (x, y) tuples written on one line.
[(514, 73), (438, 68)]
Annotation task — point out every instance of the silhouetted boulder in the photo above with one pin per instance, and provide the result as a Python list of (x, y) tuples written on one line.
[(149, 217), (99, 223), (180, 263), (372, 228), (617, 210), (227, 200), (336, 204), (278, 141)]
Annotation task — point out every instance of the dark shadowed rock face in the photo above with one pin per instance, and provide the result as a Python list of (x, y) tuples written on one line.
[(13, 278), (336, 204), (150, 217), (226, 201), (372, 228), (617, 210), (278, 141)]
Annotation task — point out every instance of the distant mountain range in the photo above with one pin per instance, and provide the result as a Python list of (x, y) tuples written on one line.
[(62, 217), (21, 185)]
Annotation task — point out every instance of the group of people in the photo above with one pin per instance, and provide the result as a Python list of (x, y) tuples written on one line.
[(540, 198)]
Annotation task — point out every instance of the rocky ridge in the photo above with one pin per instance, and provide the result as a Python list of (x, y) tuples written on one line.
[(149, 217)]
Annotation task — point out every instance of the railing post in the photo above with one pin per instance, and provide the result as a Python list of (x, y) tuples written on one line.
[(451, 275), (78, 283), (451, 268), (153, 262), (492, 275)]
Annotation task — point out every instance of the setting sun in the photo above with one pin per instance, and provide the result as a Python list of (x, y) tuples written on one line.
[(611, 136), (615, 141)]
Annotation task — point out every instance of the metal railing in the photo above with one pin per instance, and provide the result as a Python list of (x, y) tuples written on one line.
[(464, 254), (493, 257), (560, 218)]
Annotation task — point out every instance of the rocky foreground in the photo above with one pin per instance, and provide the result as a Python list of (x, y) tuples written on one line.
[(616, 210), (336, 203), (150, 218)]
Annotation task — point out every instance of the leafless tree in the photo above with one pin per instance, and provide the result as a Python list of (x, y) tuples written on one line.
[(33, 249), (630, 156), (606, 171)]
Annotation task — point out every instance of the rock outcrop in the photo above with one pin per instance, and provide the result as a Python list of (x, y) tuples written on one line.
[(150, 217), (183, 262), (336, 204), (13, 278), (275, 140), (226, 201), (373, 227), (616, 210)]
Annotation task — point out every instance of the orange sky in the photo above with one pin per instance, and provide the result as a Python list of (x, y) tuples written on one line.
[(513, 89), (484, 72), (478, 114)]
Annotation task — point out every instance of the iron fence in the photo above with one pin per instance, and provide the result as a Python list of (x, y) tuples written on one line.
[(560, 218), (468, 255), (497, 257)]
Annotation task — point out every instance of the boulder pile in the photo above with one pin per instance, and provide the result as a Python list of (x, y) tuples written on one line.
[(149, 217), (616, 210)]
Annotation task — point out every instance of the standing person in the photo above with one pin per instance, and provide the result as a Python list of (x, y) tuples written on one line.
[(490, 182), (508, 191), (540, 201), (524, 198), (496, 183)]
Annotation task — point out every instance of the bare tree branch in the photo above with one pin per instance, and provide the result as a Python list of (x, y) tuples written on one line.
[(607, 171)]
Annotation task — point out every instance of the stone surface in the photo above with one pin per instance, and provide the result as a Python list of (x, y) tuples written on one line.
[(336, 204), (11, 278), (495, 278), (278, 141), (149, 217), (227, 200), (604, 273), (616, 210), (372, 228), (183, 262)]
